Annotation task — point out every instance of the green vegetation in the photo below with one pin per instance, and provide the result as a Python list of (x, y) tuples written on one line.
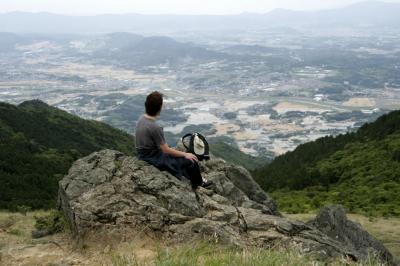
[(16, 231), (360, 170), (210, 254), (386, 230), (124, 260), (17, 227), (6, 221), (53, 222), (38, 144), (235, 156)]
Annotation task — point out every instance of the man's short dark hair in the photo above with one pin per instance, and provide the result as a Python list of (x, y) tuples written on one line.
[(153, 103)]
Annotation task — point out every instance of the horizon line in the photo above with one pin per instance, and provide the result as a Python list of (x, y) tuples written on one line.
[(187, 14)]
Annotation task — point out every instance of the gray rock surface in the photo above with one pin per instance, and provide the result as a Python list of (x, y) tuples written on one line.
[(333, 221), (108, 188)]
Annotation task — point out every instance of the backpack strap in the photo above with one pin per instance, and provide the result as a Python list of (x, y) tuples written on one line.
[(183, 142), (206, 155)]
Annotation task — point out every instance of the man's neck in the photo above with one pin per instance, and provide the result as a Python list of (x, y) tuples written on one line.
[(150, 117)]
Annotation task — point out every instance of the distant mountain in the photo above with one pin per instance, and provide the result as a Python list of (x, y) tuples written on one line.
[(132, 49), (38, 144), (370, 13), (120, 48), (256, 50), (121, 40), (360, 170), (8, 41)]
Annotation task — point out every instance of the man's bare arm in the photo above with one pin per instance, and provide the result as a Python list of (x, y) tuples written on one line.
[(168, 150)]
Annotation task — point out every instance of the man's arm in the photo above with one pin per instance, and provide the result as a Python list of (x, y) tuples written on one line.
[(166, 149)]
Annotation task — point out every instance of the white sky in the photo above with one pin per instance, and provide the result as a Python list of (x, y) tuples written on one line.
[(92, 7)]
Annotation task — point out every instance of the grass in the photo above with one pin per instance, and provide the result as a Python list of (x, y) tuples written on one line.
[(16, 232), (124, 260), (386, 230), (15, 229), (6, 221), (214, 255), (208, 254)]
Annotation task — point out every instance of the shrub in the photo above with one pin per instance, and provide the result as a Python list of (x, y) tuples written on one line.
[(53, 222), (7, 221)]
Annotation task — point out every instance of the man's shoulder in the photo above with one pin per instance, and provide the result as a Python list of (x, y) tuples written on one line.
[(148, 122), (143, 120)]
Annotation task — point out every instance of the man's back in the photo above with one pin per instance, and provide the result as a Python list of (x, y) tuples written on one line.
[(149, 135)]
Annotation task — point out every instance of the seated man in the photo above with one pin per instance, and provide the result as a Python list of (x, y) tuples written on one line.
[(152, 148)]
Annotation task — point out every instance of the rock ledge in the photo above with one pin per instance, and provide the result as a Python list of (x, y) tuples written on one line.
[(108, 188)]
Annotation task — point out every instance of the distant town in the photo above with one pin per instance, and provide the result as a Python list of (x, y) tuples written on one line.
[(264, 91)]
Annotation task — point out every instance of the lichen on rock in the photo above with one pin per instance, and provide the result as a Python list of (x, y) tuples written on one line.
[(108, 188)]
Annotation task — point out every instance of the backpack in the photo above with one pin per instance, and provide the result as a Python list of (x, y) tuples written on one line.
[(197, 144)]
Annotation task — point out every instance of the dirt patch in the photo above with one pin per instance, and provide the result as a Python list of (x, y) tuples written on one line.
[(245, 135), (285, 107), (360, 102), (18, 248), (235, 106), (225, 129), (65, 250), (282, 127)]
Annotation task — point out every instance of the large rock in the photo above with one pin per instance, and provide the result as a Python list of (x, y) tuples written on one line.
[(108, 188), (333, 221)]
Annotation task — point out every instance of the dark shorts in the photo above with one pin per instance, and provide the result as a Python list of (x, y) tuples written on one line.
[(177, 166)]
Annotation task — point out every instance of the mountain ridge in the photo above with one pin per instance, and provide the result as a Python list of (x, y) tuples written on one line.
[(361, 4), (373, 13)]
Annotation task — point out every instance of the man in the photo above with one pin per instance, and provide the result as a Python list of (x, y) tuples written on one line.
[(152, 148)]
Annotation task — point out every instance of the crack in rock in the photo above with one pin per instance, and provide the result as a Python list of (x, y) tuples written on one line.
[(235, 210)]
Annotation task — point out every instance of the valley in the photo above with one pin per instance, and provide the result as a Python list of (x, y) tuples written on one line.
[(301, 109), (264, 94)]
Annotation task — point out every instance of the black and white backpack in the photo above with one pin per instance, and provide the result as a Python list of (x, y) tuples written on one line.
[(197, 144)]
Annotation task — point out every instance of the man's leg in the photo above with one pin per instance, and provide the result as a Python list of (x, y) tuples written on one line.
[(181, 167), (193, 171)]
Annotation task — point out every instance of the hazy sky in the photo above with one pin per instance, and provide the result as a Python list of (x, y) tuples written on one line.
[(91, 7)]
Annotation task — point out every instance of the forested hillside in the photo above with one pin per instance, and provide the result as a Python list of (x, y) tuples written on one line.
[(38, 144), (360, 170), (234, 155)]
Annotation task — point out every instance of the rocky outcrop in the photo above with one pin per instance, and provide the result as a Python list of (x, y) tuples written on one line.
[(108, 188), (332, 221)]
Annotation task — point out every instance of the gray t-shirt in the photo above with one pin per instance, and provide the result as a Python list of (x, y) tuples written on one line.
[(149, 135)]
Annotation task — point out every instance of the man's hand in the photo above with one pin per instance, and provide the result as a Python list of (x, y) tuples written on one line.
[(191, 156)]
